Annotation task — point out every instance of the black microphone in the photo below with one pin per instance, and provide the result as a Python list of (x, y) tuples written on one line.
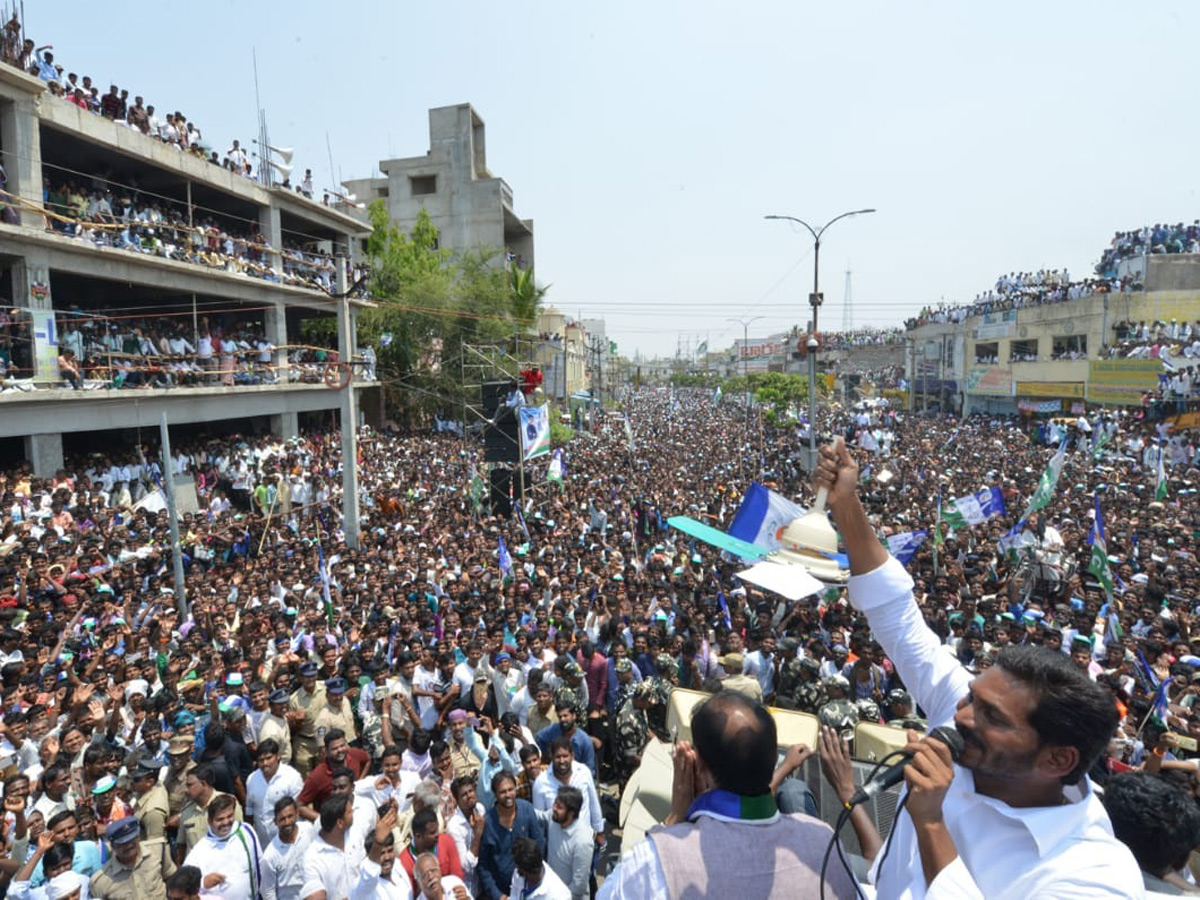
[(894, 774)]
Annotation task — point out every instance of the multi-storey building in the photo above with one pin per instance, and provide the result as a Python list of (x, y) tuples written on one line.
[(471, 208), (126, 249), (1058, 357)]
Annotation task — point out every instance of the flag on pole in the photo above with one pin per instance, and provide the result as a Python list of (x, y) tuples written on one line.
[(974, 509), (535, 431), (717, 395), (555, 472), (724, 608), (323, 573), (629, 434), (506, 563), (904, 546), (477, 489), (1098, 564), (1099, 439), (937, 524), (1049, 480), (762, 515), (1160, 491)]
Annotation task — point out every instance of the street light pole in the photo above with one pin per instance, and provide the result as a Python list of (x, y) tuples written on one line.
[(815, 300), (745, 323)]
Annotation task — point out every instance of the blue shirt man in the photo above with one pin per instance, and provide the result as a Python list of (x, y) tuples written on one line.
[(585, 750), (508, 820)]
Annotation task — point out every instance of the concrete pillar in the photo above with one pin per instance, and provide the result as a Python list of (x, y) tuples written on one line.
[(22, 154), (275, 327), (45, 453), (286, 425), (31, 292), (268, 224)]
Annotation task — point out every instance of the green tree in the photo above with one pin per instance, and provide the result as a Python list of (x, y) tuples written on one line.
[(525, 297)]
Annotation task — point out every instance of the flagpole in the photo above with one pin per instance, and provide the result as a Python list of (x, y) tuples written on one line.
[(173, 517)]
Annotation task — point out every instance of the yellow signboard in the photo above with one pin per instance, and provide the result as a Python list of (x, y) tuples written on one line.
[(1121, 382), (1049, 389)]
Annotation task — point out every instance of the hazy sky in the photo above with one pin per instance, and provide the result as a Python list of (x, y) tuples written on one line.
[(647, 140)]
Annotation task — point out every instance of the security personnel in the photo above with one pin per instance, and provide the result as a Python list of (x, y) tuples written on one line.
[(274, 724), (179, 752), (303, 709), (134, 871), (632, 731), (151, 804), (335, 712)]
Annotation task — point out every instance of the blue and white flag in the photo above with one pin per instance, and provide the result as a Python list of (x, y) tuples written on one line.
[(904, 546), (717, 395), (557, 467), (724, 608), (535, 431), (974, 509), (762, 517), (506, 563)]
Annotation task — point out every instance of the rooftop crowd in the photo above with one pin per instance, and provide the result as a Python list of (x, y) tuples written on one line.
[(1149, 239), (172, 128), (437, 726)]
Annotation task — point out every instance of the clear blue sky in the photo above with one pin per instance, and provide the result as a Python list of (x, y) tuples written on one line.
[(648, 139)]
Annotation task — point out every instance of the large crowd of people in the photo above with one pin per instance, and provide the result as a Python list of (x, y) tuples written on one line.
[(453, 708)]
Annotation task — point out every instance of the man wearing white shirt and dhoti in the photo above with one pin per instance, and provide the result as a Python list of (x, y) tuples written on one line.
[(228, 857)]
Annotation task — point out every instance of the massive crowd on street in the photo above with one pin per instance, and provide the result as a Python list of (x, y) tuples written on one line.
[(438, 716)]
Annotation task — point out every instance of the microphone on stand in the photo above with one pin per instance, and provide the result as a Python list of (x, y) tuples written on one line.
[(894, 774)]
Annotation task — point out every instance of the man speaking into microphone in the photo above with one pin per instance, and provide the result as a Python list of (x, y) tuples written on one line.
[(1016, 816)]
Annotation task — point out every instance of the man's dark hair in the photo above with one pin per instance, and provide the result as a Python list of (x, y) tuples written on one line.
[(214, 738), (422, 818), (186, 879), (219, 804), (459, 783), (529, 751), (393, 750), (269, 747), (59, 817), (571, 798), (1159, 823), (1071, 711), (283, 803), (57, 855), (526, 855), (561, 743), (741, 760), (333, 809), (499, 778), (206, 773), (333, 734)]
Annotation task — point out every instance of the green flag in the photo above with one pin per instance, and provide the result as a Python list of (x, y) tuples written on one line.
[(1098, 562), (1160, 491), (1049, 480)]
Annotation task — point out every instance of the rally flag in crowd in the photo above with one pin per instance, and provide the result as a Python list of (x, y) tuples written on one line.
[(1160, 491), (1098, 564), (937, 524), (724, 608), (323, 574), (1099, 439), (521, 520), (717, 395), (477, 489), (904, 546), (1049, 480), (506, 563), (535, 431), (555, 472), (762, 515), (974, 509)]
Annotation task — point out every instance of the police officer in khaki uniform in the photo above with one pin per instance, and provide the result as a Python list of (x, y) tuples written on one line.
[(151, 804), (303, 709), (179, 750), (134, 871), (274, 724), (335, 712)]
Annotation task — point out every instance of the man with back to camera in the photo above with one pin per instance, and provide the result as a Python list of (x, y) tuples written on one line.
[(1016, 817), (725, 835)]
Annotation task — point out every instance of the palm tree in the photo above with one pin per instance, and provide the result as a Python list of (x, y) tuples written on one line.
[(525, 298)]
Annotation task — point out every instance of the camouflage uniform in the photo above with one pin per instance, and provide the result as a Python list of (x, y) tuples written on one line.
[(839, 714), (659, 695), (791, 677), (632, 733), (568, 696)]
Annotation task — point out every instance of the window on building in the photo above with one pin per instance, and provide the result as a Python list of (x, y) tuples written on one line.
[(1071, 346), (421, 185), (381, 193), (987, 353), (1023, 351)]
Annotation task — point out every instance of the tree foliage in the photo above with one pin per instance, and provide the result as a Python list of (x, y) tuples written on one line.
[(429, 303)]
